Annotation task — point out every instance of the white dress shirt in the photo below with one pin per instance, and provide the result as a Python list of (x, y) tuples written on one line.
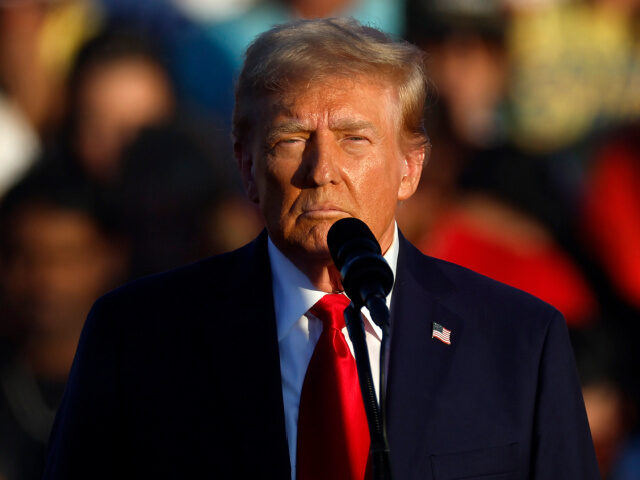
[(299, 330)]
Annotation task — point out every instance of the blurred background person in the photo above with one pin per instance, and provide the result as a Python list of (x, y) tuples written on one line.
[(59, 250), (117, 86), (129, 137), (603, 361), (180, 200), (467, 64)]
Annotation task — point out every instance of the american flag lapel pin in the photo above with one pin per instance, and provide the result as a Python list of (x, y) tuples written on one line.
[(441, 333)]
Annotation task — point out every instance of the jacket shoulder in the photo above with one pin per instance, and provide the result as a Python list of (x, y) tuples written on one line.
[(470, 294), (186, 292)]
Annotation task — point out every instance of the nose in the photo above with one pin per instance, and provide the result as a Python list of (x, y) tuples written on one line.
[(321, 159)]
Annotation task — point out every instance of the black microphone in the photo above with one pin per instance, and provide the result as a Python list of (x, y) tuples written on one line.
[(367, 279), (366, 276)]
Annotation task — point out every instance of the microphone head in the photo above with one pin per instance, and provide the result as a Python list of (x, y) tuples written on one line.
[(348, 236), (356, 254)]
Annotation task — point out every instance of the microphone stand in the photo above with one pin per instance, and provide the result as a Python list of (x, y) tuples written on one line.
[(381, 463)]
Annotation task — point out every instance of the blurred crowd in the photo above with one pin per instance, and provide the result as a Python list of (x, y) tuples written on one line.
[(116, 162)]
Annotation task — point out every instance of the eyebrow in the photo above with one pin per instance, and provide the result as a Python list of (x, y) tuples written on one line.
[(292, 126), (353, 125)]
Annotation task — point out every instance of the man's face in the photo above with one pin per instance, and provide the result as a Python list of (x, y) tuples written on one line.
[(326, 151)]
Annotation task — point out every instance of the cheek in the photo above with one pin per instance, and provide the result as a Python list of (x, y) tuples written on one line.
[(275, 190), (376, 190), (380, 178)]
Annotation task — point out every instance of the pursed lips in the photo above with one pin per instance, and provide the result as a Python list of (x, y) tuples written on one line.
[(322, 211)]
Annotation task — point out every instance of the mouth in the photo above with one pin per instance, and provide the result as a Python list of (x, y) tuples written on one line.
[(323, 211)]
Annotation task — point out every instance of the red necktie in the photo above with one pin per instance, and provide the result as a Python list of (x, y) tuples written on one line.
[(333, 436)]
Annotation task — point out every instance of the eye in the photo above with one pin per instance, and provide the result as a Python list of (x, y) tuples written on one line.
[(288, 146), (291, 142), (355, 141), (285, 142)]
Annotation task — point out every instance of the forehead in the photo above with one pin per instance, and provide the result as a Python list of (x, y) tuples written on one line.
[(333, 101)]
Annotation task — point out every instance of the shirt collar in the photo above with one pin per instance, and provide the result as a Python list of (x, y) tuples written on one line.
[(294, 294)]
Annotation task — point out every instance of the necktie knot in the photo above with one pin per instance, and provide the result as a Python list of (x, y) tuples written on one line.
[(330, 310)]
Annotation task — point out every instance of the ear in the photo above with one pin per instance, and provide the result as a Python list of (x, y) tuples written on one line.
[(414, 160), (245, 164)]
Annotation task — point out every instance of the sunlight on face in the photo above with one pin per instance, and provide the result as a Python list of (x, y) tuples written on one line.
[(328, 151)]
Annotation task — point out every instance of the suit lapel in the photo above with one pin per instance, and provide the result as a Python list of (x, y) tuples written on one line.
[(253, 381), (419, 364)]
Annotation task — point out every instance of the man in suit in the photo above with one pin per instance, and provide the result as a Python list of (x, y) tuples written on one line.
[(206, 370)]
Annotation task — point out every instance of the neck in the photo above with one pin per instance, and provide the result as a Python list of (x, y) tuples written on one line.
[(325, 277)]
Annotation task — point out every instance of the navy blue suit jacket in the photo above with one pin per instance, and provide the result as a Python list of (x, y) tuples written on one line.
[(178, 374)]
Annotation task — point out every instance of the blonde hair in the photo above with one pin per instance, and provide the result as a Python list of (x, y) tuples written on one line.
[(312, 49)]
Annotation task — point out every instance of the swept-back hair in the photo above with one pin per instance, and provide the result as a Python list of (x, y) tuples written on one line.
[(310, 50)]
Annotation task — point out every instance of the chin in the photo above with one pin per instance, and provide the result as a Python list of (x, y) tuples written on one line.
[(315, 248), (309, 244), (319, 252), (316, 236)]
